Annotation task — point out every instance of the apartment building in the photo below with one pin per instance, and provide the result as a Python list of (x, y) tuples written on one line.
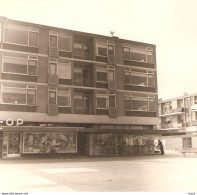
[(179, 115), (69, 92)]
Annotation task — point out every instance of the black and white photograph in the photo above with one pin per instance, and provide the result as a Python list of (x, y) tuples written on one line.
[(98, 96)]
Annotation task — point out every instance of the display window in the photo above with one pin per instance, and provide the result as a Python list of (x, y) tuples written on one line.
[(50, 143)]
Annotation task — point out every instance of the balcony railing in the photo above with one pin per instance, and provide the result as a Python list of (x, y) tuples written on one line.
[(173, 111)]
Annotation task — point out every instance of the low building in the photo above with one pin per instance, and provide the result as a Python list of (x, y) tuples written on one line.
[(179, 117)]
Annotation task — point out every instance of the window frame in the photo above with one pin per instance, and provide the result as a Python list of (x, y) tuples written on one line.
[(108, 44), (28, 58), (27, 88), (58, 35), (149, 98), (22, 28), (102, 95), (146, 51), (148, 74)]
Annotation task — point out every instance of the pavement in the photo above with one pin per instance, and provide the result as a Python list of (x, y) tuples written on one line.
[(151, 173)]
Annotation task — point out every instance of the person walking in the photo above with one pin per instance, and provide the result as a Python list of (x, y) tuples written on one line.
[(160, 145)]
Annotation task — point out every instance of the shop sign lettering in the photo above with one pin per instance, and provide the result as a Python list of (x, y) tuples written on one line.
[(10, 122)]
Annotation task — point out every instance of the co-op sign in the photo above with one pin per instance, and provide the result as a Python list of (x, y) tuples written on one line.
[(11, 122)]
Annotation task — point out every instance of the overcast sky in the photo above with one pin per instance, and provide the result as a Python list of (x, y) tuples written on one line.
[(169, 24)]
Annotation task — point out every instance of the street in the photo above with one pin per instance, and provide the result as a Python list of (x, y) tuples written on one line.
[(154, 173)]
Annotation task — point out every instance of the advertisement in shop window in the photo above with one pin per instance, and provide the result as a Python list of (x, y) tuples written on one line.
[(50, 143)]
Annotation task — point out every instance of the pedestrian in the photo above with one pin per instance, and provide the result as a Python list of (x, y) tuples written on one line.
[(160, 145)]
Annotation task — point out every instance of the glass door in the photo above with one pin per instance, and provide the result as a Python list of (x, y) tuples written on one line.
[(14, 144)]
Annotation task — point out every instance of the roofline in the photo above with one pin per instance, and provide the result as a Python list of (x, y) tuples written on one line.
[(4, 19)]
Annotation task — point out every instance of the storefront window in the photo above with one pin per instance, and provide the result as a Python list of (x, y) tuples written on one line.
[(50, 143)]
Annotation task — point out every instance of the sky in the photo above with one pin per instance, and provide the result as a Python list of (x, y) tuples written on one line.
[(171, 25)]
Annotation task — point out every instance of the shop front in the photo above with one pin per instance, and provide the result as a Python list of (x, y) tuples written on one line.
[(120, 144), (21, 141), (18, 141)]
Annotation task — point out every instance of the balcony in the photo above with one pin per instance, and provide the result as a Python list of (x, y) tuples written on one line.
[(112, 85), (53, 52), (52, 109), (173, 111), (53, 79), (172, 126), (111, 60)]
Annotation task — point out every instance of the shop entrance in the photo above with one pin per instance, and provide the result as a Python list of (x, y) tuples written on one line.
[(83, 144), (14, 145)]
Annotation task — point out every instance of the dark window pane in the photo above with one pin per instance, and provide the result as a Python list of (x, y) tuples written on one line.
[(14, 95), (15, 65), (32, 67), (16, 36), (140, 105), (152, 106), (128, 104), (33, 37), (111, 50), (53, 41), (136, 80), (52, 97), (101, 102), (126, 54), (31, 97), (112, 101), (102, 51), (64, 43), (102, 76)]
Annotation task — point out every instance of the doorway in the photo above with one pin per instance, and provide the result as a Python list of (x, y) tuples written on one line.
[(14, 145)]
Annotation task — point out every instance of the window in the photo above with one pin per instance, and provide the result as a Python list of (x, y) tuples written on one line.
[(111, 73), (64, 42), (105, 73), (101, 74), (60, 40), (20, 64), (140, 102), (102, 100), (64, 97), (105, 48), (112, 99), (60, 96), (18, 94), (21, 35), (53, 41), (81, 50), (136, 53), (64, 70), (52, 68), (139, 77), (187, 142), (52, 97)]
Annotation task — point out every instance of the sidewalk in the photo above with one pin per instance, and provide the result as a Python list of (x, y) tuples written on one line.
[(74, 158)]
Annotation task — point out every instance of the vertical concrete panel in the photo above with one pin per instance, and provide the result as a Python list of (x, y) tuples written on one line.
[(119, 53), (42, 99), (120, 77), (120, 104), (43, 41), (42, 69)]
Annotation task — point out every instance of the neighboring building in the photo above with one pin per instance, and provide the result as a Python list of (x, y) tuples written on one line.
[(179, 115), (69, 92)]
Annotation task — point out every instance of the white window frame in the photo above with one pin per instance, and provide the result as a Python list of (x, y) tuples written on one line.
[(107, 43), (102, 95), (23, 28), (28, 87), (61, 34), (148, 74), (146, 50), (68, 91), (150, 97), (28, 58)]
